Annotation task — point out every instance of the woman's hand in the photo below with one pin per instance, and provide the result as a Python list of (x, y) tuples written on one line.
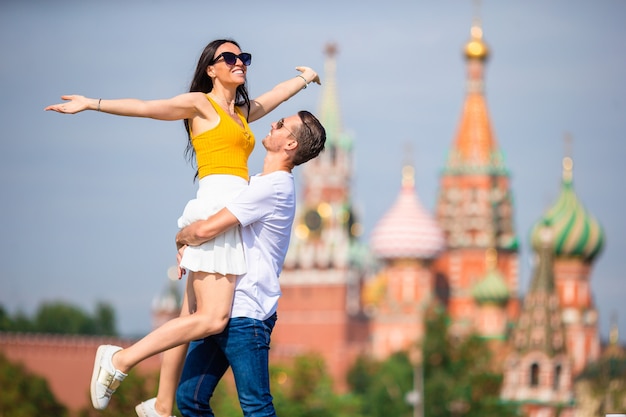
[(75, 104), (310, 75), (179, 257)]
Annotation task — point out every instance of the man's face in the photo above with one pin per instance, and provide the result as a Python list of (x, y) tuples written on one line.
[(281, 132)]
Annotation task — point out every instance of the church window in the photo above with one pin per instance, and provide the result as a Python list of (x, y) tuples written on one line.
[(534, 375), (557, 377)]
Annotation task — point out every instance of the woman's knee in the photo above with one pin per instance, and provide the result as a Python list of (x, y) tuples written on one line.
[(210, 325)]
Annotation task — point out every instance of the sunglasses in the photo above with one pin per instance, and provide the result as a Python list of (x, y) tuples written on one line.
[(231, 58), (281, 123)]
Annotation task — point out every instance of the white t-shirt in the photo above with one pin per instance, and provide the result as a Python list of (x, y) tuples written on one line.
[(265, 210)]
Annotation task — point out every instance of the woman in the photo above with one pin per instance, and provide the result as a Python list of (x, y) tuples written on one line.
[(216, 112)]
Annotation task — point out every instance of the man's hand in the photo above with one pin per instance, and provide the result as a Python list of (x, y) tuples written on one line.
[(188, 235), (204, 230)]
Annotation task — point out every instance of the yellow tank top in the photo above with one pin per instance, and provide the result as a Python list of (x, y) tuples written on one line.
[(225, 148)]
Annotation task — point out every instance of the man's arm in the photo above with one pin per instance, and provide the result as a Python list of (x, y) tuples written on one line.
[(204, 230)]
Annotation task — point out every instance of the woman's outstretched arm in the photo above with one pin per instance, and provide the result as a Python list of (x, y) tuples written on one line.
[(183, 106), (282, 92)]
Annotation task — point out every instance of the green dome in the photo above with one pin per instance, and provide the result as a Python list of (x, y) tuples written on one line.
[(492, 288), (577, 233)]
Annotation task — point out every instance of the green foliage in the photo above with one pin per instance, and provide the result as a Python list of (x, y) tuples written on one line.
[(224, 401), (304, 389), (62, 318), (604, 382), (383, 386), (24, 394), (359, 377), (104, 320), (458, 380)]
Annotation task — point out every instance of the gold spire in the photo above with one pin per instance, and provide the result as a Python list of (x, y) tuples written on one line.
[(568, 162), (476, 48), (408, 176), (408, 171), (614, 333)]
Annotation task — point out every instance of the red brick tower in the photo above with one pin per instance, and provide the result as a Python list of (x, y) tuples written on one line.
[(320, 310), (475, 205)]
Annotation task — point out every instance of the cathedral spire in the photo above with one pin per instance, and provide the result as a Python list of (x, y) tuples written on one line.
[(475, 206), (538, 370), (475, 149), (475, 175), (329, 112)]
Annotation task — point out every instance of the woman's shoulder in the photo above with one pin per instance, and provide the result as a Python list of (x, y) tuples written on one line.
[(199, 96)]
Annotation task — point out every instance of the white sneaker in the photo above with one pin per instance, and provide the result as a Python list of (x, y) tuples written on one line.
[(105, 378), (147, 409)]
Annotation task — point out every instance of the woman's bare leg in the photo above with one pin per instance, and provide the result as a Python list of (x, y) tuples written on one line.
[(172, 363), (171, 368), (214, 296)]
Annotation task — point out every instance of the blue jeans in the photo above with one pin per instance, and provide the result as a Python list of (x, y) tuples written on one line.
[(244, 345)]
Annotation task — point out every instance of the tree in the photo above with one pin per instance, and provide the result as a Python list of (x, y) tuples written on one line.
[(458, 378), (104, 320), (18, 323), (62, 318), (304, 389), (58, 317), (24, 394), (601, 387)]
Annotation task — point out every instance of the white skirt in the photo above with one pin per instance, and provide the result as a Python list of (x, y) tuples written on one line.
[(223, 254)]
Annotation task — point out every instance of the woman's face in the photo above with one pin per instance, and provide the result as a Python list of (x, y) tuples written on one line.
[(224, 72)]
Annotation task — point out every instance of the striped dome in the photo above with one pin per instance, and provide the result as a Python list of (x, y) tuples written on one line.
[(576, 232), (407, 230)]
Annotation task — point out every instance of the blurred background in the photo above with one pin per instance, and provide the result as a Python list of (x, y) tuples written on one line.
[(91, 200)]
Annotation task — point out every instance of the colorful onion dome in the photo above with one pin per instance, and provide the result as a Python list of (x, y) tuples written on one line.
[(492, 288), (407, 230), (577, 234), (476, 48)]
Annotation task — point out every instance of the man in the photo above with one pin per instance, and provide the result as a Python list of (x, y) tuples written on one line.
[(265, 211)]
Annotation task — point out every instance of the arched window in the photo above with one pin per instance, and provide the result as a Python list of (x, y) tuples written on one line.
[(557, 377), (534, 375)]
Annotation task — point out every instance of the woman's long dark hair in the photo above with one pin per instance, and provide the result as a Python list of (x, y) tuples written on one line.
[(201, 82)]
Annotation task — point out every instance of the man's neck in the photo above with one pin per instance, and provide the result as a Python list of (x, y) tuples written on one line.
[(273, 163)]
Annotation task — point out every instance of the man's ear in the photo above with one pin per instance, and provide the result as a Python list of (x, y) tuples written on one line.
[(291, 145)]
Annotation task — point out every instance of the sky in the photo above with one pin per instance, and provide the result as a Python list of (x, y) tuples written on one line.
[(90, 201)]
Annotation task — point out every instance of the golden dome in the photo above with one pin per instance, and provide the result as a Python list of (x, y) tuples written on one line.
[(476, 48)]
